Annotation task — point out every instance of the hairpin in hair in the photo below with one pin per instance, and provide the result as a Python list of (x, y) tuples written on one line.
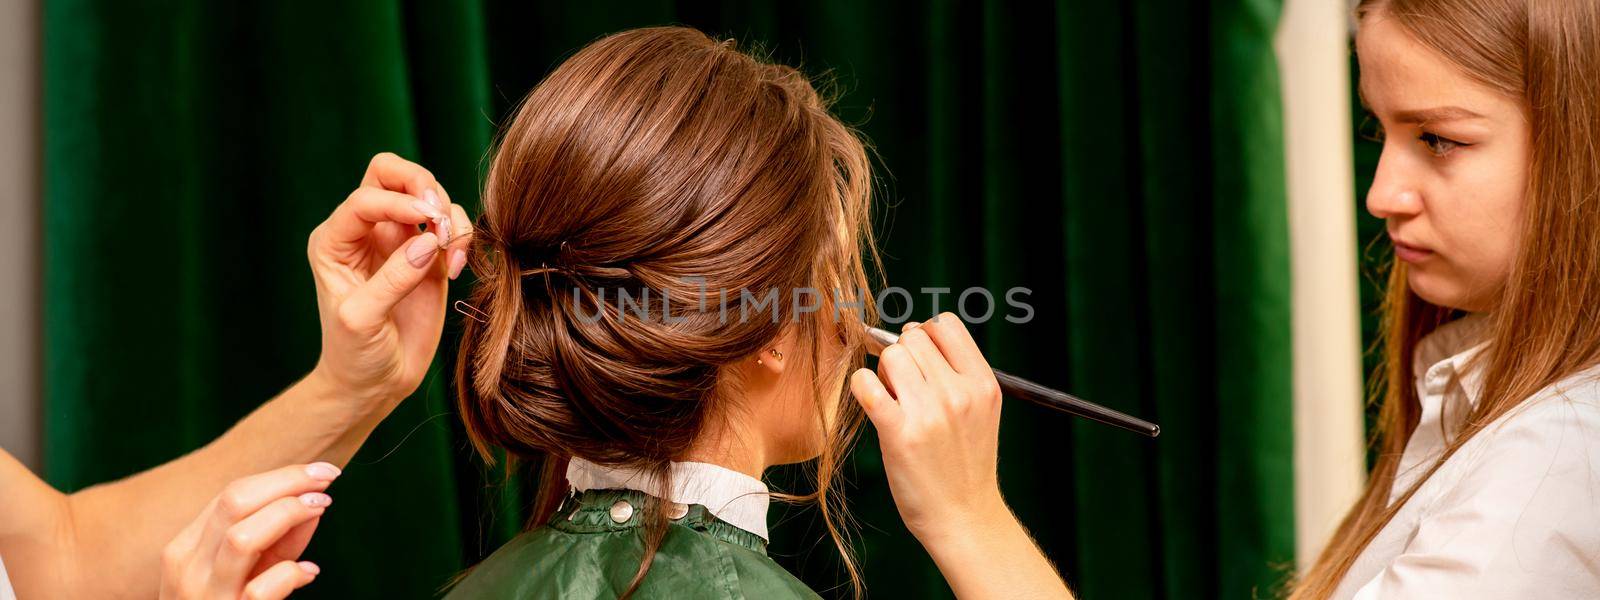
[(544, 267), (471, 312)]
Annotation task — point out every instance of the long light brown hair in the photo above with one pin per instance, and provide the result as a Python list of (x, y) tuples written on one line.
[(674, 167), (1546, 323)]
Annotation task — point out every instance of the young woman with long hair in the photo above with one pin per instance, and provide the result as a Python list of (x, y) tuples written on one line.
[(1487, 482), (671, 263)]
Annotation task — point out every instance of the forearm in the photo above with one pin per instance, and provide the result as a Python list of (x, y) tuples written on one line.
[(119, 529), (992, 556)]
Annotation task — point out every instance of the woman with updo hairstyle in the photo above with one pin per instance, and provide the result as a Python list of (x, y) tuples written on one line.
[(671, 264)]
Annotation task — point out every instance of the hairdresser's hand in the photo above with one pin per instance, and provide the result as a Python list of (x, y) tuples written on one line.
[(247, 542), (381, 281), (936, 406)]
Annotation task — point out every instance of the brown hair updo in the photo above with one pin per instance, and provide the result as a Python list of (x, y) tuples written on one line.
[(670, 166)]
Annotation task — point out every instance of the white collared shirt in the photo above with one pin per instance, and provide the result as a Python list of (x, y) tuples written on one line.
[(1514, 513), (738, 499)]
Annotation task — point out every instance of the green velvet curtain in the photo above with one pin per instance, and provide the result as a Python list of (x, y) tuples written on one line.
[(1121, 160)]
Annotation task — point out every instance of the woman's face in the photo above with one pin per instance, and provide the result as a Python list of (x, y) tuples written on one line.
[(1453, 173)]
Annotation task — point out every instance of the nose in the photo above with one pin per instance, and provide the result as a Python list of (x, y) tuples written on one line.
[(1394, 192)]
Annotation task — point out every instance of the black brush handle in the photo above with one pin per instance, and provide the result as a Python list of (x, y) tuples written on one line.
[(1023, 389)]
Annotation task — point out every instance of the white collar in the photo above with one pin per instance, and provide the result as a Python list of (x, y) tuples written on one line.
[(1447, 354), (1444, 358), (736, 498)]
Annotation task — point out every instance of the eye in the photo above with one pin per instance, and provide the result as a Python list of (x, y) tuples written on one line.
[(1439, 145)]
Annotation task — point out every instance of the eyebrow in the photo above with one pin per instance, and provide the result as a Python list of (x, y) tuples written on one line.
[(1434, 115), (1424, 115)]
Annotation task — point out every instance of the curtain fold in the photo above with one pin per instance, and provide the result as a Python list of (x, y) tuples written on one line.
[(1255, 450), (1121, 161)]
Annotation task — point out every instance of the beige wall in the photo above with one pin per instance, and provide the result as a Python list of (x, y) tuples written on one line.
[(1313, 62), (19, 226)]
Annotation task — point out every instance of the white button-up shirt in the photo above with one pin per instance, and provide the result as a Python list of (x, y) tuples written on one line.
[(1515, 513)]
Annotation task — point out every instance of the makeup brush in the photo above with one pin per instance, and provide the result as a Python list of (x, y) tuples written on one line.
[(1017, 387)]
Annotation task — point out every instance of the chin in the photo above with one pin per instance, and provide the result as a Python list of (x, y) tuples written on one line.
[(1442, 291)]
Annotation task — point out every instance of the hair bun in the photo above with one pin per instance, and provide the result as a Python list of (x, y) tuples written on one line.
[(657, 164)]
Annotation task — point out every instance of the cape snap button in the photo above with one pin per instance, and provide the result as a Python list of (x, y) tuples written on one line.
[(621, 512), (677, 511)]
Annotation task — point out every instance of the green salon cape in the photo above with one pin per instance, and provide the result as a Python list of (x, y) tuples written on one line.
[(591, 548)]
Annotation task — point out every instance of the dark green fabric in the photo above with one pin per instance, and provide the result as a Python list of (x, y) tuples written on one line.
[(1122, 160), (190, 147), (585, 552)]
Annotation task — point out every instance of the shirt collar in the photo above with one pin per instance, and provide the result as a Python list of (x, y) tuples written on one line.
[(1448, 354), (1444, 359), (736, 498)]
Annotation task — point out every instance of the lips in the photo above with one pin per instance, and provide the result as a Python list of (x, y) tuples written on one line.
[(1410, 253)]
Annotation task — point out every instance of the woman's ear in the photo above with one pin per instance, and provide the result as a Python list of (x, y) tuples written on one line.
[(762, 369), (770, 360)]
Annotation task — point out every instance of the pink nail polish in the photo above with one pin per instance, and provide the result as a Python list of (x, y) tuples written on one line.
[(426, 210), (458, 260), (422, 250), (316, 499), (432, 198), (309, 567), (322, 471)]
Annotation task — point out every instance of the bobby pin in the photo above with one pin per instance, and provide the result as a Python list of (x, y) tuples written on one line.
[(471, 312)]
